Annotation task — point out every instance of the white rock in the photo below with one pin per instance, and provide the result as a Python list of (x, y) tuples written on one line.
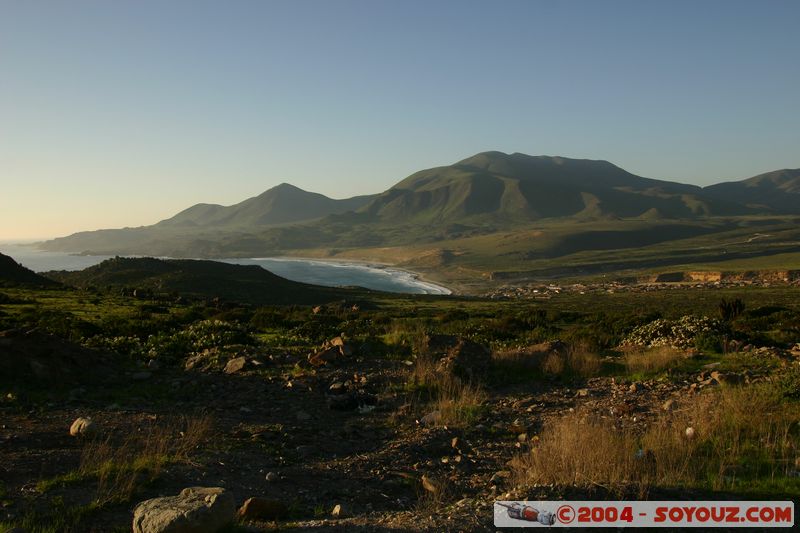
[(194, 510), (82, 427)]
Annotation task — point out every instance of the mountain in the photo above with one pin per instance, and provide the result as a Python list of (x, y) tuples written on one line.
[(517, 187), (204, 279), (13, 274), (284, 204), (487, 193), (777, 192)]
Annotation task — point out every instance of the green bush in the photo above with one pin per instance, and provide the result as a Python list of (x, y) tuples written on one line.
[(708, 342)]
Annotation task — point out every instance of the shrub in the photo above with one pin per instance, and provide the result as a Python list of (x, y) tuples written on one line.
[(744, 436), (729, 310), (679, 333)]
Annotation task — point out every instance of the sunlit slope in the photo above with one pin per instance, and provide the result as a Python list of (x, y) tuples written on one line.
[(514, 188)]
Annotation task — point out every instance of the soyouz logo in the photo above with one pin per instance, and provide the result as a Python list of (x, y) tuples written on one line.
[(705, 514)]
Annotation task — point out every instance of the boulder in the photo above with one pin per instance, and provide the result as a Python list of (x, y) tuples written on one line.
[(324, 356), (194, 510), (237, 364), (345, 348), (82, 427)]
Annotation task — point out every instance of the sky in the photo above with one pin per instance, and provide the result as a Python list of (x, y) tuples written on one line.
[(123, 113)]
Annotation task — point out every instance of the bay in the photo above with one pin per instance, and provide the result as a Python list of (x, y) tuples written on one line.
[(314, 271)]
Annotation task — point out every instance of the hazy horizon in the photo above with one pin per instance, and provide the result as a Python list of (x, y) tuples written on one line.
[(124, 114)]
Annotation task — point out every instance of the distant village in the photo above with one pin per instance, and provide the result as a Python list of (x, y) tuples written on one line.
[(658, 282)]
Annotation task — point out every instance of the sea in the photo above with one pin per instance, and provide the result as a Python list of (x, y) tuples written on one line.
[(315, 271)]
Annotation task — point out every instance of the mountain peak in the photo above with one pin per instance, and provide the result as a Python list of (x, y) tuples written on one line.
[(286, 187)]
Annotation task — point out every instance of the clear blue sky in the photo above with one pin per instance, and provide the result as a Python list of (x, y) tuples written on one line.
[(116, 113)]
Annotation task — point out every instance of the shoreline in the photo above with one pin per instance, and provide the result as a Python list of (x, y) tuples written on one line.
[(405, 277), (416, 278)]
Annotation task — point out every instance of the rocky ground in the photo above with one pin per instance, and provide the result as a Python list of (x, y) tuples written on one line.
[(337, 443)]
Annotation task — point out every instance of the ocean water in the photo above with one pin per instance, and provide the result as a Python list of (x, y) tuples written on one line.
[(318, 272)]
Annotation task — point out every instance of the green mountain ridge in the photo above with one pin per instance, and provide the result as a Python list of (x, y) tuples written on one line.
[(283, 204), (778, 191), (519, 187), (487, 193)]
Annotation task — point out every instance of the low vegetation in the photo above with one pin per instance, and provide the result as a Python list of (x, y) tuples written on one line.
[(741, 440), (589, 395)]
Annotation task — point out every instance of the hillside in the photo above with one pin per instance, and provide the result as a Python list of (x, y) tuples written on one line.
[(777, 191), (13, 274), (517, 187), (490, 212), (204, 279), (283, 204)]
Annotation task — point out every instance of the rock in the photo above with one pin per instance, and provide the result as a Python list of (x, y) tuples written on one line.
[(466, 359), (635, 387), (431, 419), (690, 433), (338, 511), (82, 427), (669, 405), (522, 438), (194, 510), (262, 509), (345, 348), (153, 364), (710, 382), (237, 364), (271, 477), (303, 416), (582, 392), (141, 376), (518, 426), (324, 356)]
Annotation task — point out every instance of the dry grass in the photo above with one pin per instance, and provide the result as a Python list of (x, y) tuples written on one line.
[(121, 467), (743, 436), (576, 360), (459, 402), (648, 360), (432, 494)]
